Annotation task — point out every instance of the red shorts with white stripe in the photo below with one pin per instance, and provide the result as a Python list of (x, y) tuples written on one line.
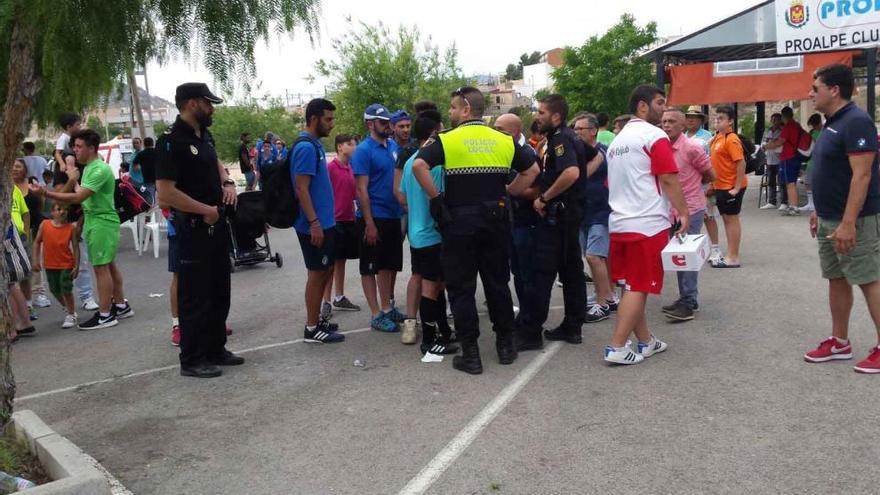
[(635, 261)]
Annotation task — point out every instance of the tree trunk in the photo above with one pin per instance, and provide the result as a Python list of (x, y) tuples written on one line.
[(23, 87), (136, 102)]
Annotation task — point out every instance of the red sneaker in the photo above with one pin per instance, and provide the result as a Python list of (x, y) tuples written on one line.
[(228, 331), (870, 364), (175, 335), (829, 350)]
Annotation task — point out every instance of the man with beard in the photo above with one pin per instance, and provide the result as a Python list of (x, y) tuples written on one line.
[(193, 183), (316, 220), (473, 218), (642, 181), (557, 247), (379, 214)]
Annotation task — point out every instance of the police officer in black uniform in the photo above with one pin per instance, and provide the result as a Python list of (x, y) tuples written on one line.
[(473, 217), (557, 248), (192, 182)]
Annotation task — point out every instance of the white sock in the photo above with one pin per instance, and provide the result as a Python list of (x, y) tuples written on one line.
[(104, 315), (715, 247), (121, 306), (311, 329), (841, 341), (338, 298), (175, 321)]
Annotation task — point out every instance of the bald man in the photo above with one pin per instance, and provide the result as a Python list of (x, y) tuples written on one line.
[(524, 217)]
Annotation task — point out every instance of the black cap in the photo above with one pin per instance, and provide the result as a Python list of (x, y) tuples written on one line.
[(188, 91)]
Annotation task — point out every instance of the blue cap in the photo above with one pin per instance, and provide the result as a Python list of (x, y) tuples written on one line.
[(377, 111), (399, 116)]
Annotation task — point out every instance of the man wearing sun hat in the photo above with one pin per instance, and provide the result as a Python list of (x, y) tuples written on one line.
[(694, 120)]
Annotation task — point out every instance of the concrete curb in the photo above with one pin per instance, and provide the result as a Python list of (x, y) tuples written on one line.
[(63, 461)]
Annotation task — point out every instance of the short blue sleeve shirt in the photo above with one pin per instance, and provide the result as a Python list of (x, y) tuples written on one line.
[(306, 161), (377, 161), (849, 131), (420, 225)]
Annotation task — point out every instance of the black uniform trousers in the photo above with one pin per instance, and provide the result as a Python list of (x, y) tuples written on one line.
[(203, 288), (477, 240), (557, 250)]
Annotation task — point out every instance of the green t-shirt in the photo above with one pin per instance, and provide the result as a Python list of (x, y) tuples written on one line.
[(98, 178), (814, 135), (19, 208), (605, 137)]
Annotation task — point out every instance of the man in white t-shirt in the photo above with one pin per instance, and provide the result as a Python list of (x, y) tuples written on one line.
[(642, 182)]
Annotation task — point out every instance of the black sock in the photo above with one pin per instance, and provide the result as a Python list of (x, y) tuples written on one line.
[(442, 321), (428, 308)]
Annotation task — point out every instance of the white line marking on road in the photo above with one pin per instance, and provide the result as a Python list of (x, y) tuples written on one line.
[(135, 374), (435, 468)]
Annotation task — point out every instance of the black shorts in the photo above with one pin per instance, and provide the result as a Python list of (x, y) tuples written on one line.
[(318, 259), (347, 241), (426, 262), (727, 204), (387, 254), (173, 255)]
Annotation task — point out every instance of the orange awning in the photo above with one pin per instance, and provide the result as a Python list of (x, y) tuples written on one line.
[(698, 84)]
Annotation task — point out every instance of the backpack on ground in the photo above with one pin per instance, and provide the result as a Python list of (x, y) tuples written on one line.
[(279, 194), (128, 201)]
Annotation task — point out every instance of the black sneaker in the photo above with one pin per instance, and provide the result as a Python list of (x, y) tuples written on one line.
[(681, 313), (597, 313), (228, 359), (322, 335), (528, 343), (439, 347), (97, 321), (671, 307), (121, 313), (612, 304)]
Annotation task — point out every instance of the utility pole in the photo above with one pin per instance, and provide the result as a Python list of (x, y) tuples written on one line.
[(136, 104)]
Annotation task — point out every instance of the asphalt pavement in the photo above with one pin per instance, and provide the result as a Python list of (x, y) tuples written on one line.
[(731, 407)]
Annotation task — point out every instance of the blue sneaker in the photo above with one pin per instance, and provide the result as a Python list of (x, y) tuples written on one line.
[(384, 323), (321, 335), (396, 316)]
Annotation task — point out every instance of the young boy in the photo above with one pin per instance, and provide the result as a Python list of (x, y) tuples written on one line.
[(60, 254)]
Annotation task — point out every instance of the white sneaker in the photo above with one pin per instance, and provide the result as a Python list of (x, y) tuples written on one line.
[(653, 347), (807, 207), (623, 356), (41, 301), (69, 321), (791, 212), (715, 255), (782, 207), (89, 304), (768, 206)]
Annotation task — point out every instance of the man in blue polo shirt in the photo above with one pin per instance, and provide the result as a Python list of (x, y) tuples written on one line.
[(316, 221), (846, 193), (379, 218)]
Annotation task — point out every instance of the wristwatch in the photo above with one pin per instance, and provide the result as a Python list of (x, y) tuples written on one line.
[(228, 182), (541, 197)]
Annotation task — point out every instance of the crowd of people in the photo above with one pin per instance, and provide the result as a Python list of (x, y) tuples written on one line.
[(473, 200)]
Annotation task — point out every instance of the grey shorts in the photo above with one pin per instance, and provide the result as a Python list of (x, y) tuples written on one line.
[(595, 240), (862, 264)]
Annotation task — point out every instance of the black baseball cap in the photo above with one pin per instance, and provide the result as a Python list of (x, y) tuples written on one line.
[(188, 91)]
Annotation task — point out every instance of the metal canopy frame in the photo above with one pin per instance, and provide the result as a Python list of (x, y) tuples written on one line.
[(750, 34)]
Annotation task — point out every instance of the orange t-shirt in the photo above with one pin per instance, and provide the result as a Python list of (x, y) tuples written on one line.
[(57, 254), (725, 151)]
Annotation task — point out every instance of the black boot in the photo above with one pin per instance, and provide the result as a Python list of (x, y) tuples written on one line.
[(506, 348), (469, 361), (528, 341), (562, 332)]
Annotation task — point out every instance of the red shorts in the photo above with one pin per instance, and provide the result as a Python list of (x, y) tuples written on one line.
[(636, 263)]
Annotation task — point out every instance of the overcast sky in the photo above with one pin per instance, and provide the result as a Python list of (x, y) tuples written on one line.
[(497, 35)]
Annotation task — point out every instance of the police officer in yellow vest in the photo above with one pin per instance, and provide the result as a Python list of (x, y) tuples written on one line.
[(473, 216)]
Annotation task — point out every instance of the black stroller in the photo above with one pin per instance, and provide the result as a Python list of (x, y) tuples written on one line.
[(246, 227)]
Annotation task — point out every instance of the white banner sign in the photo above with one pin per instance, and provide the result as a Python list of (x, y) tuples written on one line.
[(804, 26)]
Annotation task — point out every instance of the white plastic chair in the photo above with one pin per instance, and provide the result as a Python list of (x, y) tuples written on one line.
[(133, 226), (150, 231)]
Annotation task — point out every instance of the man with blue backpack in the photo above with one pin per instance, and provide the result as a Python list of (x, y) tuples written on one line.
[(316, 219)]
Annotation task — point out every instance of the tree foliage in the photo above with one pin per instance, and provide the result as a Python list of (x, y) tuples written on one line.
[(397, 69), (515, 71), (63, 55), (601, 74), (232, 120)]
